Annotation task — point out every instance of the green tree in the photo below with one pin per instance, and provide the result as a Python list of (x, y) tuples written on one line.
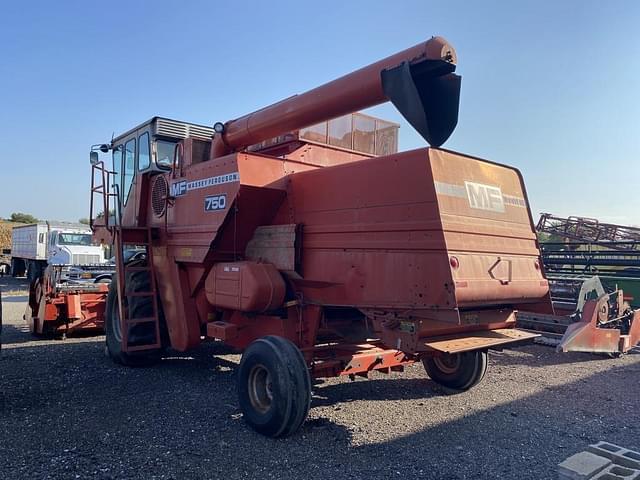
[(84, 221), (101, 214), (22, 218)]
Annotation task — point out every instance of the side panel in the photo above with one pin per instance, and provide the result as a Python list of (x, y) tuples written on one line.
[(41, 248), (217, 207), (488, 229), (372, 236), (380, 234), (24, 242)]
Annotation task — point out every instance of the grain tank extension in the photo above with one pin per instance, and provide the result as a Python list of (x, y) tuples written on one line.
[(300, 236)]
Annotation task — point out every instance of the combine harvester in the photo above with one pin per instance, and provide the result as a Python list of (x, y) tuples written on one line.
[(298, 235), (60, 307)]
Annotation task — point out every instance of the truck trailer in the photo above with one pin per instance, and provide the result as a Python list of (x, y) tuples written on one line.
[(37, 245), (298, 235)]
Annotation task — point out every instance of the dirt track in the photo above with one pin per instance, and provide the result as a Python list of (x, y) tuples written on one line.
[(67, 412)]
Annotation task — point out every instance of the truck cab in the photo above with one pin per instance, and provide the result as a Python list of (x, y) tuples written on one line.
[(73, 247)]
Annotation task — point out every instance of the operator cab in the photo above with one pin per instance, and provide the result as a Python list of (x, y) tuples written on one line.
[(149, 147)]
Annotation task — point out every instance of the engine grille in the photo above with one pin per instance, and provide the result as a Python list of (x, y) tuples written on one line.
[(159, 194), (85, 259), (172, 128)]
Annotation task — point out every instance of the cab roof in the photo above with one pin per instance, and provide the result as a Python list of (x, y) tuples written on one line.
[(167, 127)]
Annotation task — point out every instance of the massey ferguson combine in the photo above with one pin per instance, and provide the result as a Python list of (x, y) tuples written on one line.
[(297, 235)]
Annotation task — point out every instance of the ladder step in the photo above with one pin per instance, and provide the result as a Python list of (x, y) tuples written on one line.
[(136, 321), (138, 348), (137, 269), (140, 236), (140, 294)]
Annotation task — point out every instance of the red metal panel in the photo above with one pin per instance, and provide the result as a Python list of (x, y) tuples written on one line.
[(74, 308), (391, 218)]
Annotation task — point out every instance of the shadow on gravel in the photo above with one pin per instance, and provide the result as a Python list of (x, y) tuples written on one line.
[(523, 439), (15, 334), (64, 408), (540, 358), (377, 389)]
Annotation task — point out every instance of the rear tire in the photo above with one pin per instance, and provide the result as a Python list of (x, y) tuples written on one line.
[(138, 307), (274, 387), (18, 267), (35, 270), (458, 371)]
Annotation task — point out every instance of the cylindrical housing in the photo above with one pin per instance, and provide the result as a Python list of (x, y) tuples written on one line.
[(245, 286), (355, 91)]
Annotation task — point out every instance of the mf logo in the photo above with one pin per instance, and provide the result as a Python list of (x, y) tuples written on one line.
[(484, 197), (178, 188)]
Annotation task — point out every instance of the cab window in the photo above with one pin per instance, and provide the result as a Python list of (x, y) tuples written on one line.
[(164, 153), (129, 169), (117, 168), (144, 161)]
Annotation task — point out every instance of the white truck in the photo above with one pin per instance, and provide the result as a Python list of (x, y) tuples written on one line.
[(35, 246)]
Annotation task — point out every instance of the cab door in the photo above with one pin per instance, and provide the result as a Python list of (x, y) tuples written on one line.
[(128, 172)]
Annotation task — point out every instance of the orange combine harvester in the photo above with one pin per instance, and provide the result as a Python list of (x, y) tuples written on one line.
[(298, 235)]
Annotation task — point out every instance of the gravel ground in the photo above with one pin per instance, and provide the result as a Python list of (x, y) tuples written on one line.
[(67, 412)]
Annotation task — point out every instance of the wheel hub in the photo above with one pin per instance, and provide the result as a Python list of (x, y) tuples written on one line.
[(260, 388), (447, 363)]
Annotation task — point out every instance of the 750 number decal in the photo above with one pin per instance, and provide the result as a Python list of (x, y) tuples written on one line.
[(215, 202)]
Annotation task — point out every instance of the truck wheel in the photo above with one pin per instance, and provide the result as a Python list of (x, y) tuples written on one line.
[(274, 387), (143, 332), (18, 267), (458, 371), (34, 271)]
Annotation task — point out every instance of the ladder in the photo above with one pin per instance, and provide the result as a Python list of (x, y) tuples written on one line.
[(138, 333)]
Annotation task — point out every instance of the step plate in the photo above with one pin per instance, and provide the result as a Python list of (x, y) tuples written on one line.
[(469, 341)]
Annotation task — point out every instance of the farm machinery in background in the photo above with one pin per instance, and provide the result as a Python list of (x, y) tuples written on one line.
[(594, 275), (298, 235), (68, 277), (59, 307)]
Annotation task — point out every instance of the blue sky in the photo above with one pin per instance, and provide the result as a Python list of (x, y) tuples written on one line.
[(550, 87)]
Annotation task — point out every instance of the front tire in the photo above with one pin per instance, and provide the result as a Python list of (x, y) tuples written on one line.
[(113, 329), (458, 371), (274, 387)]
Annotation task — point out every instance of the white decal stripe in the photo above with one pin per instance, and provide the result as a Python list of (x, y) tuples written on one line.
[(450, 190), (453, 190), (515, 201), (211, 181)]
